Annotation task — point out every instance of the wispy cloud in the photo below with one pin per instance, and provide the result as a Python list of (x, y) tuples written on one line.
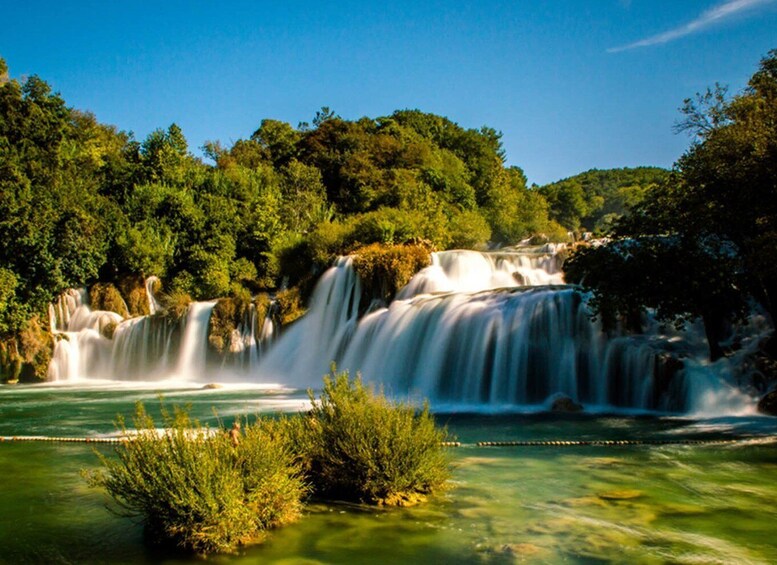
[(708, 18)]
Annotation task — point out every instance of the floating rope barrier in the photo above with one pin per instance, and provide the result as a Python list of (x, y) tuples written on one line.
[(528, 443), (608, 442), (64, 439)]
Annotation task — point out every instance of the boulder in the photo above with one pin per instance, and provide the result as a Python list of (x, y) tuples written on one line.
[(566, 405), (768, 404)]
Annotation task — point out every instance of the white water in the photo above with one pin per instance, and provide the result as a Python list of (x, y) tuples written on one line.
[(153, 304), (495, 330), (194, 342), (147, 348)]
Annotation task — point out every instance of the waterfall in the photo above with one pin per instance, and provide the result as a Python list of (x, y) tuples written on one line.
[(144, 348), (306, 350), (153, 304), (81, 350), (481, 329), (478, 330), (194, 342)]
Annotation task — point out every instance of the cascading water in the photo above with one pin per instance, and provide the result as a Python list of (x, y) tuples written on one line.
[(486, 330), (153, 304), (102, 345), (480, 329), (194, 342), (80, 345)]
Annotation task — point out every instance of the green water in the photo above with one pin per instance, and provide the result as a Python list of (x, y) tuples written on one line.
[(629, 504)]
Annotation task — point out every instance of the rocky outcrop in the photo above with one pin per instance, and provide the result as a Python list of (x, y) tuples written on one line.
[(25, 357), (565, 405), (105, 296), (768, 404)]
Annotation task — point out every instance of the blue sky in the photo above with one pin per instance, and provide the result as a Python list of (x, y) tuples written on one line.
[(572, 84)]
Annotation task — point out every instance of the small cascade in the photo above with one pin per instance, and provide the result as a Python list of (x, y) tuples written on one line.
[(194, 341), (102, 345), (472, 271), (313, 342), (81, 348), (145, 348), (153, 305), (250, 340)]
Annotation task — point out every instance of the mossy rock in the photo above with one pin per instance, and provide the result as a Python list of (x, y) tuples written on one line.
[(263, 304), (108, 330), (290, 307), (224, 320), (133, 290), (384, 269), (105, 296), (565, 405), (25, 357)]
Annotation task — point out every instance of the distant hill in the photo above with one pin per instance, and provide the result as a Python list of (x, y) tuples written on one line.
[(594, 199)]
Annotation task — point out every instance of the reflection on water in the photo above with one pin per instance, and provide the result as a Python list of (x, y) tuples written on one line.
[(629, 504)]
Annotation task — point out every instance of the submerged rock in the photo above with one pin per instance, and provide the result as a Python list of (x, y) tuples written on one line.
[(625, 494), (566, 405), (522, 549)]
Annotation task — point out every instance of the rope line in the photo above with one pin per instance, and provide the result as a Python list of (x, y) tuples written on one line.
[(528, 443), (64, 439)]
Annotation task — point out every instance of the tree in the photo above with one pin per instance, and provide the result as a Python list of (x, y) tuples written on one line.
[(702, 243)]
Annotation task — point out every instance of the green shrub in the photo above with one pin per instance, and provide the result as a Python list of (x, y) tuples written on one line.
[(176, 304), (384, 269), (195, 489), (362, 447)]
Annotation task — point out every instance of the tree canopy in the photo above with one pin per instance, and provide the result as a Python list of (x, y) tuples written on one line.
[(595, 199), (82, 202), (704, 242)]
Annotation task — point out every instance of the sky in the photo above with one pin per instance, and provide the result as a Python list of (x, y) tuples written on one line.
[(571, 84)]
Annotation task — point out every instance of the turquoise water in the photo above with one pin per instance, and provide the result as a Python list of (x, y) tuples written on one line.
[(713, 503)]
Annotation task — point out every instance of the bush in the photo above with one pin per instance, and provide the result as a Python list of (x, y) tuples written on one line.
[(364, 448), (290, 306), (195, 489), (384, 269), (176, 304)]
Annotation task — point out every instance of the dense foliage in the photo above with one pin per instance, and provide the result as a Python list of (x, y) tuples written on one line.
[(198, 491), (82, 203), (704, 243), (595, 199)]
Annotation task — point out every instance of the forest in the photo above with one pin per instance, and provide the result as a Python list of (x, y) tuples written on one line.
[(84, 204)]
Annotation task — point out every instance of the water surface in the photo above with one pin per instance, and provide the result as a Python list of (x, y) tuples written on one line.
[(712, 503)]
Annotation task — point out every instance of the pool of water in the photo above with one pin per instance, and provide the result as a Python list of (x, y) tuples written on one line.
[(710, 503)]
